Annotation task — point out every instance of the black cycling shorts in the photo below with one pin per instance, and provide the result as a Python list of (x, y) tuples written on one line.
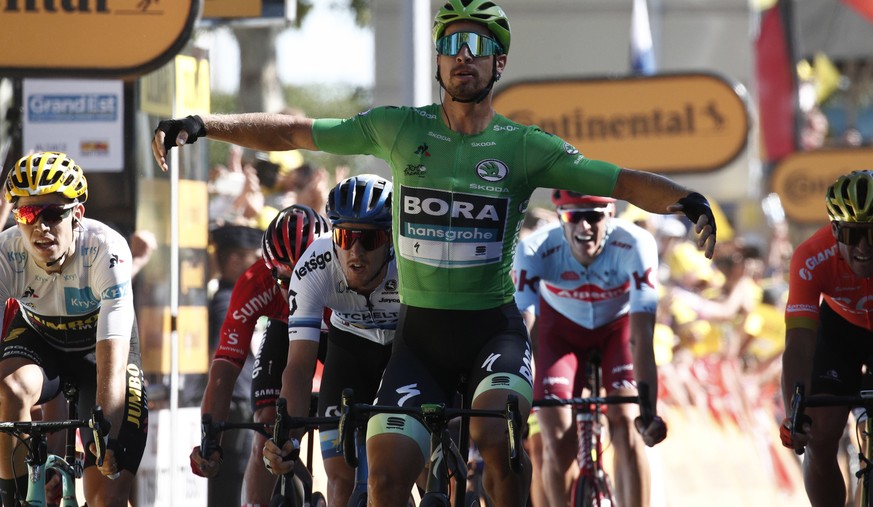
[(81, 367), (270, 363), (841, 349), (436, 352), (352, 362)]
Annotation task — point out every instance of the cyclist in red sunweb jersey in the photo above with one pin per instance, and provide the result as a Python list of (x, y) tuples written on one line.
[(590, 284), (829, 328), (257, 294)]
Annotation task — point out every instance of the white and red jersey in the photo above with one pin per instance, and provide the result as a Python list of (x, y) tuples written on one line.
[(621, 280), (254, 295), (89, 301), (318, 282)]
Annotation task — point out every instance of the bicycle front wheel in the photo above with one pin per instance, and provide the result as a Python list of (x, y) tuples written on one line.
[(589, 492)]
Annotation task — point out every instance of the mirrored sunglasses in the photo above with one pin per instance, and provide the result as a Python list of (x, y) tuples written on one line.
[(574, 216), (479, 45), (51, 214), (852, 235), (370, 239), (281, 281)]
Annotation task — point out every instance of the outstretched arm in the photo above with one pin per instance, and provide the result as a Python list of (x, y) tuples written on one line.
[(658, 194), (258, 131)]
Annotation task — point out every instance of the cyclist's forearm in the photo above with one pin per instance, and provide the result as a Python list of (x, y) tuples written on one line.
[(261, 131), (643, 352), (219, 390), (112, 380), (797, 360)]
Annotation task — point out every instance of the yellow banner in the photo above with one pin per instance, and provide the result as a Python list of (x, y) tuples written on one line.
[(665, 123), (91, 37), (801, 180)]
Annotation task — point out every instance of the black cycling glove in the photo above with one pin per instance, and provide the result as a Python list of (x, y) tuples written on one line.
[(694, 205), (192, 124)]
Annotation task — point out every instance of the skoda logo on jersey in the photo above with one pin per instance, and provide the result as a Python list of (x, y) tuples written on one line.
[(569, 149), (492, 170)]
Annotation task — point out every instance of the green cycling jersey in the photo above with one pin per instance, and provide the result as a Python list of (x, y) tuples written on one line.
[(459, 200)]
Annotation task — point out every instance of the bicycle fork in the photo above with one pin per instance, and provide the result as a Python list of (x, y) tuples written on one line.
[(589, 427)]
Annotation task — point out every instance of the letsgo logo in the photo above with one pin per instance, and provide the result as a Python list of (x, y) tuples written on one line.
[(318, 262)]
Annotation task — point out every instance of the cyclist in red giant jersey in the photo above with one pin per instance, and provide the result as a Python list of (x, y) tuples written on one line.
[(589, 282), (829, 328), (258, 292)]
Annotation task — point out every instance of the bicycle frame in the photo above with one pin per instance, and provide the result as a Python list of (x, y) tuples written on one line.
[(435, 417), (865, 400), (33, 435), (593, 486), (285, 493)]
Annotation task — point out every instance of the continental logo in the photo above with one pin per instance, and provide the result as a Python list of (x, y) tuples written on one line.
[(134, 395), (667, 123), (97, 36), (801, 180)]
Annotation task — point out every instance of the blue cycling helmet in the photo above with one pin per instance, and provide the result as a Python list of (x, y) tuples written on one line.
[(361, 199)]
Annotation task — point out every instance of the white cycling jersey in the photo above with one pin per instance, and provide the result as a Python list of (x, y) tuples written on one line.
[(89, 301), (622, 278), (319, 282)]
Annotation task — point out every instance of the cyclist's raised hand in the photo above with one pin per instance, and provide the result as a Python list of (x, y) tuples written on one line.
[(798, 438), (206, 467), (281, 461), (654, 433), (175, 132)]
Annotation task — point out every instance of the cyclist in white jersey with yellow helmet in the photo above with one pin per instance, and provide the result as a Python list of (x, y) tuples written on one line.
[(71, 277)]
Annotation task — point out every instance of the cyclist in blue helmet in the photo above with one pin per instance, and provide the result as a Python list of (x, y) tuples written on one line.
[(355, 276)]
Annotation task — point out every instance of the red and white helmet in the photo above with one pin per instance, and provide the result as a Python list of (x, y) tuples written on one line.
[(290, 233)]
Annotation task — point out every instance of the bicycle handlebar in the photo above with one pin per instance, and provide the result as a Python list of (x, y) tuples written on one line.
[(430, 415), (643, 399), (98, 424)]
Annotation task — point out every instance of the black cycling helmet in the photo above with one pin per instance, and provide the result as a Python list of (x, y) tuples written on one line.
[(362, 199), (290, 233)]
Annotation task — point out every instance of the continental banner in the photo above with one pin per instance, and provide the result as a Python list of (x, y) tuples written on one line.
[(688, 123)]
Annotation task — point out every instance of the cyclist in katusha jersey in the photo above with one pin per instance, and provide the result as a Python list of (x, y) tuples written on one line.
[(589, 283), (259, 292), (463, 176), (71, 277), (829, 328), (354, 275)]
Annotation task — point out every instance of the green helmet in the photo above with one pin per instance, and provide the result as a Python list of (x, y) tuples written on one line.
[(850, 198), (480, 11)]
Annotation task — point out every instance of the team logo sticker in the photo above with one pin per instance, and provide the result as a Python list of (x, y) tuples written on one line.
[(492, 170)]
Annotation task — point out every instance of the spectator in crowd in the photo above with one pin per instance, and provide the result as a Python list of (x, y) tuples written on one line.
[(236, 247)]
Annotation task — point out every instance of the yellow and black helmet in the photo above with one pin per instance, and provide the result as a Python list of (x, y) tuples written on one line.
[(46, 173), (850, 198)]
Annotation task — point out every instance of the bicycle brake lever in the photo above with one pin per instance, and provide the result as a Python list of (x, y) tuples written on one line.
[(347, 425), (796, 411), (100, 427), (208, 441), (645, 400), (513, 421)]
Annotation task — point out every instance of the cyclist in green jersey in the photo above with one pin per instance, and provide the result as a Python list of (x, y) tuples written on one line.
[(463, 176)]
